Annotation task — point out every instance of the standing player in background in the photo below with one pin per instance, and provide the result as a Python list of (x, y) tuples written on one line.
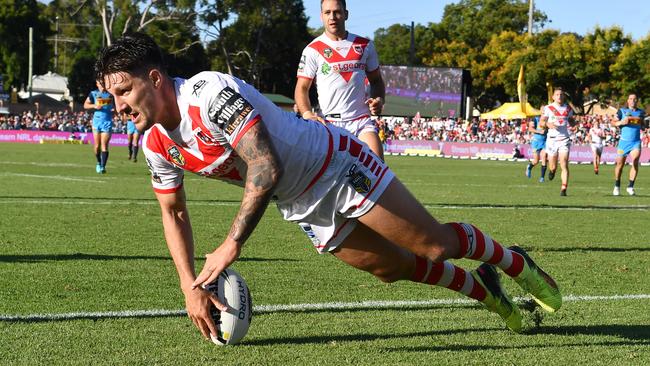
[(557, 117), (538, 145), (595, 137), (340, 62), (101, 102), (133, 137), (631, 121), (347, 201)]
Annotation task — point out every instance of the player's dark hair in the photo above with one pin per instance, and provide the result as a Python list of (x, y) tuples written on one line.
[(134, 53), (342, 2), (558, 88)]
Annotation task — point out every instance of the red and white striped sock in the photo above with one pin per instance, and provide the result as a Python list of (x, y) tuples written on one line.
[(476, 245), (447, 275)]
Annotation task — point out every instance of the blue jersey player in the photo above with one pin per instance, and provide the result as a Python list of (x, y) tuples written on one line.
[(101, 102), (538, 145), (133, 137), (630, 120)]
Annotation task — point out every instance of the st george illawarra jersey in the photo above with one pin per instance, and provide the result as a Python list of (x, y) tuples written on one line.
[(216, 111), (560, 115), (340, 68)]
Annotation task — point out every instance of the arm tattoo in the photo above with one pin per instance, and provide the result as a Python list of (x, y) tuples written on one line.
[(262, 176)]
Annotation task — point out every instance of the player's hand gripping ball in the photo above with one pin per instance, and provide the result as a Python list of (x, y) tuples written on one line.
[(232, 291)]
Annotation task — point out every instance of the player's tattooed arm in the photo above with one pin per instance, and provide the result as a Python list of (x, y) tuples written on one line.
[(263, 174)]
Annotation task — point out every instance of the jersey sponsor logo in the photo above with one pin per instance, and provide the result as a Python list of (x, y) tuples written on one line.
[(348, 67), (176, 155), (154, 176), (310, 233), (208, 140), (301, 65), (359, 181), (326, 68), (328, 52), (197, 87), (229, 110)]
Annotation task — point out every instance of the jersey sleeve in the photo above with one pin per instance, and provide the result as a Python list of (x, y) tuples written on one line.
[(91, 97), (619, 114), (229, 112), (308, 63), (165, 177), (372, 62)]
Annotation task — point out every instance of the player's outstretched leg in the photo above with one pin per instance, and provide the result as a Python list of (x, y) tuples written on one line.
[(538, 283), (364, 249), (497, 299), (514, 261), (482, 284)]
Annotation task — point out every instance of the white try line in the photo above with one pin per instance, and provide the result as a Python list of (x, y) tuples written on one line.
[(145, 202), (327, 306), (59, 177)]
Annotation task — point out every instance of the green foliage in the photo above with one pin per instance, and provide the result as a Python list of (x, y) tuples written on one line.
[(252, 47), (16, 17), (631, 72)]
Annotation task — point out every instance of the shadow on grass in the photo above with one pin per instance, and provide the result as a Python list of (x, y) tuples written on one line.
[(632, 332), (630, 335), (359, 337), (36, 258), (590, 249)]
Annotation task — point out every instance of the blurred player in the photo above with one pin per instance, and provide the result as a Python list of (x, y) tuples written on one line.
[(345, 199), (537, 145), (133, 138), (631, 121), (340, 62), (595, 137), (101, 102), (557, 117)]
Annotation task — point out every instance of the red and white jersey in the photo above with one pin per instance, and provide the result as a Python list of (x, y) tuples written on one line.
[(216, 111), (339, 68), (597, 134), (559, 115)]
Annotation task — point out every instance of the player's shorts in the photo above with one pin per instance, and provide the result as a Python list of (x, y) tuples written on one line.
[(625, 147), (130, 128), (348, 188), (557, 145), (356, 126), (103, 126), (538, 144), (597, 148)]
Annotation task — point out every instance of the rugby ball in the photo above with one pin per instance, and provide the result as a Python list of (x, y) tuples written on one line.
[(232, 291)]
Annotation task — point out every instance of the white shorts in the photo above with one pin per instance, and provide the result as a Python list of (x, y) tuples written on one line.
[(349, 187), (597, 148), (356, 126), (555, 146)]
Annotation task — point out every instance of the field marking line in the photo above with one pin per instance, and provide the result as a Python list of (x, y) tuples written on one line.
[(60, 177), (34, 163), (265, 309), (126, 201)]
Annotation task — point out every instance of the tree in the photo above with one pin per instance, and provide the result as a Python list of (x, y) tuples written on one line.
[(474, 22), (631, 72), (16, 17), (264, 43)]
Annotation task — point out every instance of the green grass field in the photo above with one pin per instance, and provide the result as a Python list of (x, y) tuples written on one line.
[(72, 241)]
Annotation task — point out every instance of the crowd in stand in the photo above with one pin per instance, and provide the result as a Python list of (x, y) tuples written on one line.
[(398, 128), (491, 131), (55, 121)]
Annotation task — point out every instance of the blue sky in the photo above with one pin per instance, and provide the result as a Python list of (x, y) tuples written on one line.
[(579, 16)]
